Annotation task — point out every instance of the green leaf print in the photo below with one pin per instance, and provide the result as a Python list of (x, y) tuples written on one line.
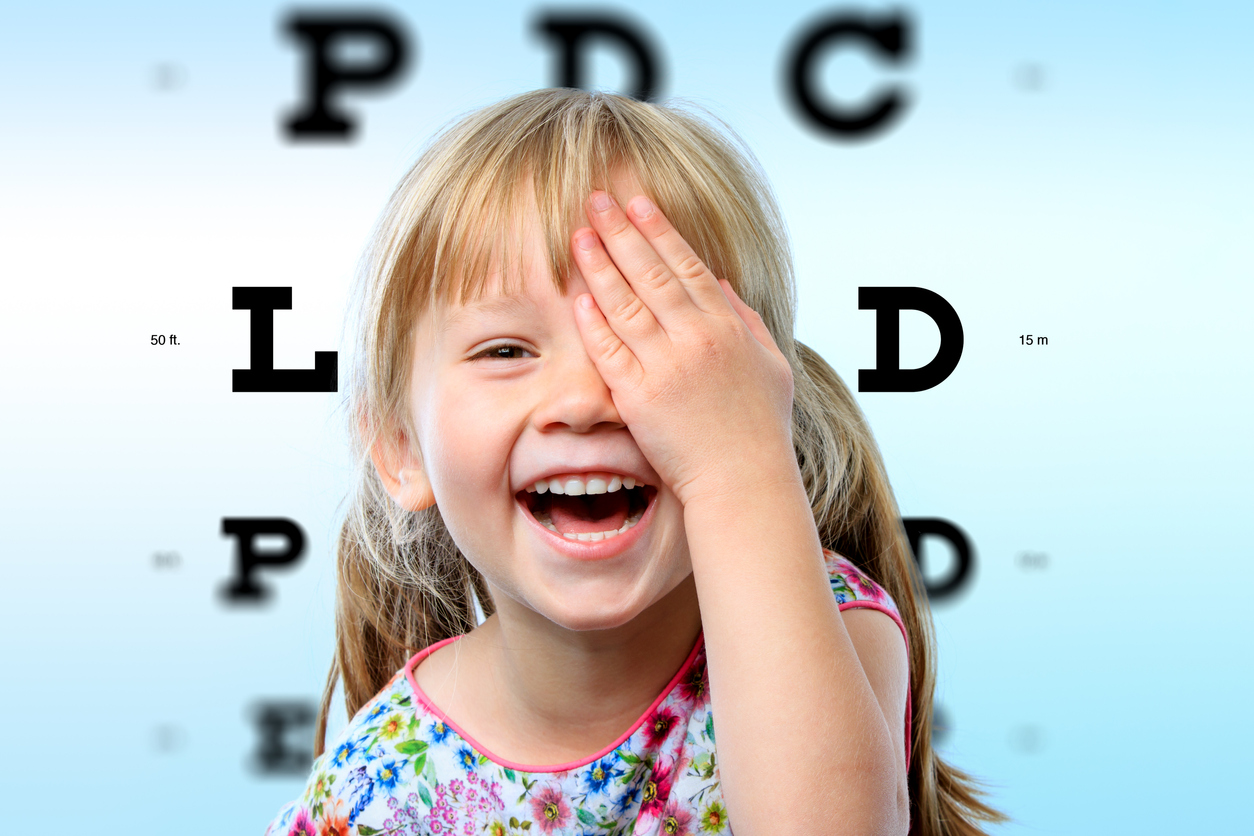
[(420, 763), (483, 759), (513, 822), (839, 586), (429, 772), (412, 747), (629, 757), (367, 830), (425, 795), (709, 726), (509, 773), (585, 816)]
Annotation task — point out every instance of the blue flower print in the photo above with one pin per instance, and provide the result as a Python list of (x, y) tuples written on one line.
[(381, 708), (386, 772), (466, 758), (630, 796), (599, 775), (440, 730), (345, 753)]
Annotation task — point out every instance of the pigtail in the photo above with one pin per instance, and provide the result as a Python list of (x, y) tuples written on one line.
[(401, 585), (857, 517)]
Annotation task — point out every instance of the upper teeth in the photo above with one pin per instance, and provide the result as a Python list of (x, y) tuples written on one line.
[(579, 485)]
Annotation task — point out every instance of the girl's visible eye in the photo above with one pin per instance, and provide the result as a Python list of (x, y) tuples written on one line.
[(504, 351)]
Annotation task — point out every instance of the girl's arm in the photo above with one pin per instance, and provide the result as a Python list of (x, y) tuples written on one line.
[(809, 716), (803, 743)]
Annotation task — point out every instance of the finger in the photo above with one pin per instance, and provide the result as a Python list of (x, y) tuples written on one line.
[(751, 318), (613, 358), (640, 264), (678, 256), (626, 313)]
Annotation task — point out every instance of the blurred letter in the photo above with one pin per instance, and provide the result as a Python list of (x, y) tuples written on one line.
[(244, 529), (888, 39), (573, 34), (919, 527), (273, 719), (320, 35)]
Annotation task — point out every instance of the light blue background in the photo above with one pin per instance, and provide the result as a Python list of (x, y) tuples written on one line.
[(1108, 208)]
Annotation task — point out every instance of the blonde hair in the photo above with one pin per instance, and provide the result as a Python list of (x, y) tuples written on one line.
[(402, 582)]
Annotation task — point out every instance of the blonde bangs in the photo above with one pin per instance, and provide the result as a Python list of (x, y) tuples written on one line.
[(461, 212)]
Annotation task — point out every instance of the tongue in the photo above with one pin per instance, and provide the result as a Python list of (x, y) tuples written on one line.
[(588, 514)]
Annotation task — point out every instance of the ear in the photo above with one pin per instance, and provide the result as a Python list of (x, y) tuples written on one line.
[(401, 472)]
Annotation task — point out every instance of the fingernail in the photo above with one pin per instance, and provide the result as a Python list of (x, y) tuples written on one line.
[(600, 201), (586, 301), (642, 207), (586, 240)]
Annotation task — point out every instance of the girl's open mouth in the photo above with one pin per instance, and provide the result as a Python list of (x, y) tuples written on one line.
[(589, 517)]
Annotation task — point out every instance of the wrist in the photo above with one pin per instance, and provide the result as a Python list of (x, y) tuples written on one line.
[(772, 485)]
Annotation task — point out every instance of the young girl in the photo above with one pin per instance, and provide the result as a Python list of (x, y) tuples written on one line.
[(578, 408)]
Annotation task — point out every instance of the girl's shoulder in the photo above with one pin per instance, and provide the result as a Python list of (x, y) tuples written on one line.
[(854, 588), (378, 749)]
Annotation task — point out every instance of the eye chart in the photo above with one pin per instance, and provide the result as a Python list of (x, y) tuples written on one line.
[(1023, 236)]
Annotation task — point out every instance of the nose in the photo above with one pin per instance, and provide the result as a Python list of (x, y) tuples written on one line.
[(574, 396)]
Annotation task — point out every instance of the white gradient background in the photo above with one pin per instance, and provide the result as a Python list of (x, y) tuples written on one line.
[(1109, 210)]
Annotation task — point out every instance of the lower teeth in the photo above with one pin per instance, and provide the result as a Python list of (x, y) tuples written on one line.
[(589, 536)]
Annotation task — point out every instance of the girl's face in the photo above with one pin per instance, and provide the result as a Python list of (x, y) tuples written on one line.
[(504, 395)]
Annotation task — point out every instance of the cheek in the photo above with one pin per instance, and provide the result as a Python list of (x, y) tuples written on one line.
[(468, 452)]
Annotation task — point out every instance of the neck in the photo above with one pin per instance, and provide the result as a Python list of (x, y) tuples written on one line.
[(569, 693)]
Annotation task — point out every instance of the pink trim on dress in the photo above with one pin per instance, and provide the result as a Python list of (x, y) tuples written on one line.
[(563, 767)]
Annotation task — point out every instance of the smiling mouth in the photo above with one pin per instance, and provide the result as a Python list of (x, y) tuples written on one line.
[(589, 517)]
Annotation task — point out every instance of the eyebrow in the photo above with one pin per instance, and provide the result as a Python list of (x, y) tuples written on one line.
[(496, 306)]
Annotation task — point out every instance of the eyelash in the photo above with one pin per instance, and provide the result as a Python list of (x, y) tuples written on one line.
[(486, 354)]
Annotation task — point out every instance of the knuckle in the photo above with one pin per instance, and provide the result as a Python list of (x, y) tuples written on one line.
[(612, 352), (655, 276), (630, 309), (689, 266)]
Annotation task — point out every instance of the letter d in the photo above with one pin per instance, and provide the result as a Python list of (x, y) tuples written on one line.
[(888, 302)]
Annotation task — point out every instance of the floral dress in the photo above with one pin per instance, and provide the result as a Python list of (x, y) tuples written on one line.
[(402, 766)]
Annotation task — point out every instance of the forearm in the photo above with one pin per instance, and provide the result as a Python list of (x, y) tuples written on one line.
[(801, 742)]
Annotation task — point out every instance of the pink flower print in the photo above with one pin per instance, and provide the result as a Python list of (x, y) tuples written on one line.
[(455, 787), (676, 820), (657, 789), (549, 808), (861, 583), (658, 725), (696, 684), (303, 826)]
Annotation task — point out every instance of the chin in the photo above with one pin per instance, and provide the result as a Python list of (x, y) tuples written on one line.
[(586, 616)]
